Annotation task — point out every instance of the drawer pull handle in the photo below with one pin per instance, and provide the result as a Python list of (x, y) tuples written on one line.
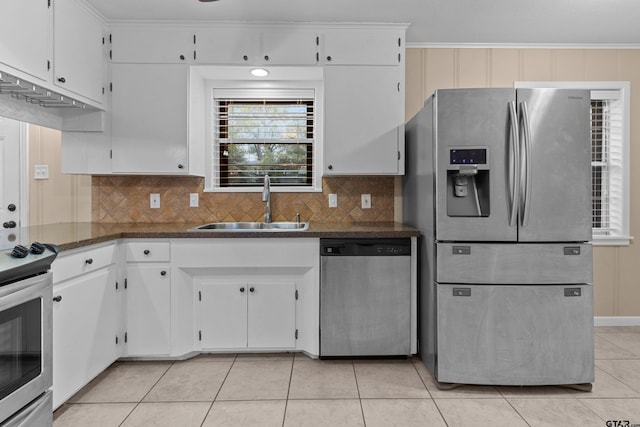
[(251, 289), (57, 298), (88, 261), (147, 251), (163, 273), (242, 290)]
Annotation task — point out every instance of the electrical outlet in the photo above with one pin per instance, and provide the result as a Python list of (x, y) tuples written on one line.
[(365, 200), (40, 171), (333, 200), (193, 200), (154, 201)]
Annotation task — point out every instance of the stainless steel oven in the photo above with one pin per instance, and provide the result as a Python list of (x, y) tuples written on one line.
[(26, 338)]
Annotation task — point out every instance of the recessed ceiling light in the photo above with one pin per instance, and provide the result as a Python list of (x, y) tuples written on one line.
[(259, 72)]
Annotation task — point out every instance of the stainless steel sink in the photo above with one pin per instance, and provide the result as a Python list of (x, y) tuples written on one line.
[(253, 226)]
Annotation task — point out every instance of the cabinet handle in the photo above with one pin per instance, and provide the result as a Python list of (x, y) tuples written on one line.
[(180, 166), (62, 79), (182, 57), (266, 57), (88, 261), (163, 273), (57, 298), (330, 167), (245, 57), (147, 251), (242, 290), (251, 289)]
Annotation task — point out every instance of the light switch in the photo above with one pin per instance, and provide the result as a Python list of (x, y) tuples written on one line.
[(333, 200), (193, 200), (154, 201), (40, 171), (365, 200)]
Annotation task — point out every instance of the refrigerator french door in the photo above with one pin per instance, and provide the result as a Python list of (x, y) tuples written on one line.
[(498, 181), (524, 156)]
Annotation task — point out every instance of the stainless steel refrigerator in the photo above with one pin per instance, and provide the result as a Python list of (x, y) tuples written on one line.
[(499, 183)]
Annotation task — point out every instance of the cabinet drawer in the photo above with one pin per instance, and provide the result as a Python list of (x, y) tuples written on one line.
[(77, 263), (148, 251)]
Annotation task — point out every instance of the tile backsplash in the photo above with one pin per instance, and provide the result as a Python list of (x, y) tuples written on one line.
[(126, 199)]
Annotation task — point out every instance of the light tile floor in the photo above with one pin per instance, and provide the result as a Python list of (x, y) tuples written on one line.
[(294, 390)]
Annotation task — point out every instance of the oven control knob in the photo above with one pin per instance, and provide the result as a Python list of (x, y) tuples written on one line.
[(19, 251), (37, 248)]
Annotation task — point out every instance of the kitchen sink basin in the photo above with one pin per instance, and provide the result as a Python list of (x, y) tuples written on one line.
[(253, 226)]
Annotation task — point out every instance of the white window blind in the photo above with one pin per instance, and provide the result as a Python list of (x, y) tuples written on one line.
[(609, 165), (260, 132)]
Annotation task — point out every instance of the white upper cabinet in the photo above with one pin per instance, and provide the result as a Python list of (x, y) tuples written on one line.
[(274, 46), (79, 50), (363, 47), (363, 113), (152, 45), (149, 119), (25, 37), (293, 46), (227, 45)]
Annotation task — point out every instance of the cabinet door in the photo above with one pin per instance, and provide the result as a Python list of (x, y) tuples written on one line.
[(362, 47), (148, 310), (285, 46), (363, 130), (78, 43), (22, 48), (228, 46), (149, 118), (85, 325), (151, 45), (222, 309), (272, 315)]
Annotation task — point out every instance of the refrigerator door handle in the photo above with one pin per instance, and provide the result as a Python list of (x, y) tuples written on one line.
[(514, 164), (526, 132)]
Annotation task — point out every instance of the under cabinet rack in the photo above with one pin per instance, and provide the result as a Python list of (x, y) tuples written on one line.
[(34, 94)]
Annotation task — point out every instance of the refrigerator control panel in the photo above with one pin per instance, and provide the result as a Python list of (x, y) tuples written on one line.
[(468, 156)]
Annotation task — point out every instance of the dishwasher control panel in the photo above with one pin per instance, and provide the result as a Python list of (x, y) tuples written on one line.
[(365, 247)]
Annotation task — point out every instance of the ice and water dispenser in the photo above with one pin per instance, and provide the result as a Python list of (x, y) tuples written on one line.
[(468, 182)]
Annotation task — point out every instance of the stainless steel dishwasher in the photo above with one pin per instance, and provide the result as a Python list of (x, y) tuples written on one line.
[(365, 297)]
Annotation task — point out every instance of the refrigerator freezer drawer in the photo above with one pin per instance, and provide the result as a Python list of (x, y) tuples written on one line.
[(515, 335), (526, 263)]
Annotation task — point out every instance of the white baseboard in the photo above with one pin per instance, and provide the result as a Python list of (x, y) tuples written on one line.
[(616, 321)]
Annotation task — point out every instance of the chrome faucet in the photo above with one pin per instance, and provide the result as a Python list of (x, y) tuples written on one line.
[(266, 197)]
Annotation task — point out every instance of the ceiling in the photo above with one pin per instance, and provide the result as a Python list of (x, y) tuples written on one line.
[(432, 22)]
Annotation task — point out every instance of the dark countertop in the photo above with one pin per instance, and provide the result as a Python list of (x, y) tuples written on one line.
[(75, 235)]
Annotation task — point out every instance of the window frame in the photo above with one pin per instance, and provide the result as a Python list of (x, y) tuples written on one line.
[(224, 164), (281, 83), (621, 235)]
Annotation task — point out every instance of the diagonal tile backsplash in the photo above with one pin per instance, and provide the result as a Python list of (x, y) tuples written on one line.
[(126, 199)]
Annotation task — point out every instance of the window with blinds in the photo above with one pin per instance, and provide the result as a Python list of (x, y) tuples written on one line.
[(269, 135), (608, 164), (599, 164)]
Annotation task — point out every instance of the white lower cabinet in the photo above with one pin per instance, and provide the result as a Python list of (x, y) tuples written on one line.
[(148, 310), (136, 299), (86, 313), (246, 315)]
